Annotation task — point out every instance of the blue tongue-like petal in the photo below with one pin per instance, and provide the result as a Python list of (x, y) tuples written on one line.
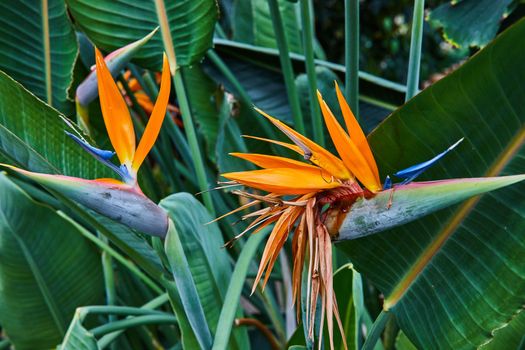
[(409, 174), (101, 155)]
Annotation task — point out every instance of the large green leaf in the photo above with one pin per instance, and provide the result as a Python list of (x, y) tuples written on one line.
[(39, 48), (32, 135), (252, 23), (208, 261), (456, 279), (469, 22), (47, 270), (111, 24)]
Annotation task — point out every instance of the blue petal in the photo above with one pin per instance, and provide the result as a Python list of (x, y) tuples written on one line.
[(102, 156), (414, 171), (388, 183)]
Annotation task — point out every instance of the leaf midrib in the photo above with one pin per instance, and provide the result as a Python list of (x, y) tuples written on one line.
[(434, 247), (47, 50)]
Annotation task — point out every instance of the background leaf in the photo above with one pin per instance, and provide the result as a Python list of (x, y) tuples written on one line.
[(111, 24), (454, 278), (33, 137), (45, 273), (469, 22), (208, 261), (39, 48), (253, 24)]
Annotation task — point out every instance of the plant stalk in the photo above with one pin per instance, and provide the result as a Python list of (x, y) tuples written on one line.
[(375, 332), (352, 54), (286, 66), (416, 40), (306, 21)]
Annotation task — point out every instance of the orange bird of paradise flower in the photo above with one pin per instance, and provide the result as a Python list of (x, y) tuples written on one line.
[(123, 199), (354, 174), (297, 194)]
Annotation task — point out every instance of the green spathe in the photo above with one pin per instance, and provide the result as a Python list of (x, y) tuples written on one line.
[(407, 203)]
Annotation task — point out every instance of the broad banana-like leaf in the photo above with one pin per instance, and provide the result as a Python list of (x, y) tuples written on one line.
[(47, 270), (112, 198), (456, 278), (39, 48), (406, 203), (187, 25)]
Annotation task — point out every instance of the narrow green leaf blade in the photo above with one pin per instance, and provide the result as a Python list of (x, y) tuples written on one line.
[(186, 287), (209, 262)]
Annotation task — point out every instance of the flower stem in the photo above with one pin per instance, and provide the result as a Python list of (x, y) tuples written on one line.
[(375, 331), (191, 135), (228, 74), (352, 54), (286, 65), (133, 322), (152, 304), (306, 20), (416, 39)]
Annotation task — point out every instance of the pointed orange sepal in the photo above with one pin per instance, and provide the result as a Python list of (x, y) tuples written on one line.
[(356, 133), (312, 151), (352, 157), (285, 180), (115, 112), (157, 117), (269, 162)]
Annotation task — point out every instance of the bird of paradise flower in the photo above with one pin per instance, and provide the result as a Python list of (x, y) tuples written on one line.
[(312, 200), (123, 199)]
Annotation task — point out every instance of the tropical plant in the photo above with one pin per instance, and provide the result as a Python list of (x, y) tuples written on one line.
[(304, 234)]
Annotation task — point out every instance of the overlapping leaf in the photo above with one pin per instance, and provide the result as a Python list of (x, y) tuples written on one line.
[(111, 24), (45, 272), (456, 279), (39, 48)]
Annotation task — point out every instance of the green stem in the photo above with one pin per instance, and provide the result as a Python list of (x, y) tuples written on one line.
[(317, 123), (416, 39), (112, 252), (375, 332), (352, 54), (286, 65), (245, 98), (152, 304), (133, 322), (109, 277), (116, 310), (388, 84), (191, 135), (233, 294)]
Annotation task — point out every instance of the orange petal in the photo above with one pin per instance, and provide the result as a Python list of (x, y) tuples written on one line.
[(285, 180), (266, 161), (115, 112), (356, 133), (312, 151), (284, 144), (348, 151), (157, 117)]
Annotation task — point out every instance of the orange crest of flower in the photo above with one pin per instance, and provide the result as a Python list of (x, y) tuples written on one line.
[(323, 178)]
